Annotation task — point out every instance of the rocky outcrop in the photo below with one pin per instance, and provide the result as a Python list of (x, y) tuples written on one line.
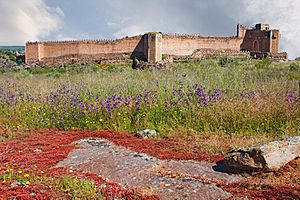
[(164, 64), (266, 157), (7, 63), (148, 175)]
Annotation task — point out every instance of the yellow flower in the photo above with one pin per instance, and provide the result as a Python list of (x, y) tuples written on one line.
[(101, 120), (20, 171), (9, 170), (27, 182), (26, 175), (119, 114)]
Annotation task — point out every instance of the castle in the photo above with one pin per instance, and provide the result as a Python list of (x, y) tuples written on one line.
[(259, 41)]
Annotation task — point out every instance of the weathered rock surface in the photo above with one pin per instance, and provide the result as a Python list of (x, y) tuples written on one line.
[(146, 173), (266, 157)]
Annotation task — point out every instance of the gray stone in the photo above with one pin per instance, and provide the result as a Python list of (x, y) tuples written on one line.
[(140, 171), (7, 63), (266, 157), (147, 133)]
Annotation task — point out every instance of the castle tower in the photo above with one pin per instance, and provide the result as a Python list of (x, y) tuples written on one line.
[(259, 39), (154, 53)]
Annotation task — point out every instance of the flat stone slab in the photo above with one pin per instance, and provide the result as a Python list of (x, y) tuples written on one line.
[(266, 157), (140, 171)]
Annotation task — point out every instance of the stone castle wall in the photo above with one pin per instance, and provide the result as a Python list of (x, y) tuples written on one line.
[(183, 45), (69, 52), (259, 40)]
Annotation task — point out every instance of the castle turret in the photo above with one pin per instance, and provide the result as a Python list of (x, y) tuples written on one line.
[(241, 31)]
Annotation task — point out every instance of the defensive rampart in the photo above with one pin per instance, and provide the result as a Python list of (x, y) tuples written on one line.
[(152, 46)]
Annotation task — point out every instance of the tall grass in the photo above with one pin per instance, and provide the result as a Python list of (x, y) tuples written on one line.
[(242, 96)]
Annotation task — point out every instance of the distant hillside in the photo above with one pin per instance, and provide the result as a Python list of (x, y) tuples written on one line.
[(20, 49)]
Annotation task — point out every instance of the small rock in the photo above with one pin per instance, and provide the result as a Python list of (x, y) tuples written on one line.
[(266, 157), (37, 151), (14, 184), (144, 191), (147, 133)]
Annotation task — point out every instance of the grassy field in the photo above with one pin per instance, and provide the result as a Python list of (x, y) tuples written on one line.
[(217, 104), (228, 97)]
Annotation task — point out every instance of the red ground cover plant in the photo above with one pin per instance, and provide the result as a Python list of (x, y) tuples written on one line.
[(40, 150)]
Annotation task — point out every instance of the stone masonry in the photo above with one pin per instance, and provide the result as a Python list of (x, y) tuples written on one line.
[(259, 41)]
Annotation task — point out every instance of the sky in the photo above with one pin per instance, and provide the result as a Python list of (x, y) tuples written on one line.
[(33, 20)]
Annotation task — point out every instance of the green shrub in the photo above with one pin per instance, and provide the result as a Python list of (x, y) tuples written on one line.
[(263, 63), (2, 70), (23, 73), (226, 61), (297, 59), (294, 67)]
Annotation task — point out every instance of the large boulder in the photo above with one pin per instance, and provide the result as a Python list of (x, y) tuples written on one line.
[(265, 157)]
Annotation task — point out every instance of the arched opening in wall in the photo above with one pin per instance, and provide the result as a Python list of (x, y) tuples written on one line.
[(255, 46)]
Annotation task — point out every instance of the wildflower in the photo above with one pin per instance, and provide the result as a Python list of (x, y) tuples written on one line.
[(101, 120), (119, 114), (27, 183), (9, 170), (26, 175), (20, 171)]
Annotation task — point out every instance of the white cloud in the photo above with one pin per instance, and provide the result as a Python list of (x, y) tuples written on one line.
[(213, 17), (27, 20), (281, 14), (130, 31), (23, 20)]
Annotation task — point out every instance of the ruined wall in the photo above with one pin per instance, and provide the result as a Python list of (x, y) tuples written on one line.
[(154, 53), (256, 40), (260, 40), (275, 41), (181, 45), (69, 52), (31, 52)]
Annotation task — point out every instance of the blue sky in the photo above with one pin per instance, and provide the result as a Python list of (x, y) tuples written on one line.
[(31, 20)]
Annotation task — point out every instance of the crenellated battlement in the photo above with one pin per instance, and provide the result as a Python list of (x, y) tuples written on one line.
[(104, 41)]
